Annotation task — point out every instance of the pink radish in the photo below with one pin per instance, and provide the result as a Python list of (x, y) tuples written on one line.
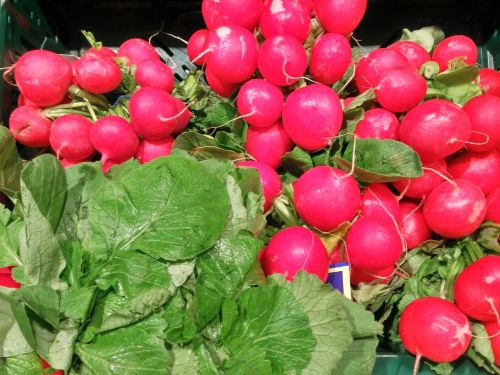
[(150, 150), (421, 186), (69, 163), (285, 17), (282, 60), (347, 101), (489, 80), (29, 126), (103, 50), (312, 116), (455, 209), (218, 13), (6, 279), (414, 52), (197, 44), (414, 229), (493, 212), (484, 114), (224, 89), (330, 58), (260, 102), (381, 276), (378, 123), (268, 145), (454, 47), (435, 129), (477, 289), (70, 137), (340, 16), (493, 330), (378, 201), (136, 50), (97, 73), (21, 100), (294, 249), (184, 114), (43, 77), (326, 197), (154, 73)]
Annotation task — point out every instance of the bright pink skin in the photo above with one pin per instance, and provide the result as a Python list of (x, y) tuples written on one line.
[(414, 52), (401, 89), (335, 256), (104, 50), (493, 329), (373, 244), (455, 211), (97, 73), (312, 116), (489, 80), (282, 60), (340, 16), (325, 197), (154, 73), (378, 123), (153, 113), (233, 53), (484, 114), (454, 47), (285, 17), (197, 44), (150, 150), (414, 229), (69, 163), (268, 145), (137, 50), (6, 279), (294, 249), (378, 201), (218, 13), (184, 116), (224, 89), (114, 138), (381, 276), (271, 182), (330, 58), (263, 100), (477, 288), (43, 77), (70, 137), (373, 66), (421, 186), (21, 100), (493, 212), (435, 329), (45, 365), (348, 101), (29, 126), (435, 129)]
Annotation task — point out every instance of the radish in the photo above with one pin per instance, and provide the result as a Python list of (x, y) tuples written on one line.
[(330, 58), (435, 129), (477, 289), (29, 126), (378, 123), (184, 116), (218, 13), (399, 90), (70, 137), (482, 168), (45, 365), (489, 80), (21, 100), (233, 53), (285, 17), (347, 101), (69, 163), (294, 249), (414, 52), (493, 330), (414, 229), (150, 150), (6, 279), (282, 60), (43, 77), (455, 209), (435, 329), (382, 276), (454, 47), (421, 186), (197, 44), (268, 145), (312, 116), (493, 212), (97, 73), (224, 89), (340, 16), (484, 114), (136, 50), (378, 201), (154, 73), (260, 102), (326, 197), (270, 180), (104, 51)]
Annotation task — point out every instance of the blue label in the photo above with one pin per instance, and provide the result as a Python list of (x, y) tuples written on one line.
[(339, 278)]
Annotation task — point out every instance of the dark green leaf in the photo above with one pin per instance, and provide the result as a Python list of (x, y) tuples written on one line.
[(230, 141), (190, 140), (10, 165), (75, 303), (181, 328), (359, 358), (297, 161), (42, 300), (9, 239), (12, 341)]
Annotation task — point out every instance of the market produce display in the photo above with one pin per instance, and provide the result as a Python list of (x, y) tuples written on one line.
[(153, 226)]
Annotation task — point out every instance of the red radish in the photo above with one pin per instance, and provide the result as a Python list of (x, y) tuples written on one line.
[(137, 50), (340, 16), (43, 77), (285, 17), (45, 365), (218, 13), (312, 116), (69, 163), (484, 114), (73, 65), (6, 279), (150, 150), (330, 58), (98, 73), (294, 249), (70, 137), (21, 100), (197, 44), (482, 168), (224, 89), (326, 197), (382, 276), (489, 80), (29, 126), (308, 3), (106, 165), (378, 201), (435, 329), (477, 289), (414, 52), (260, 102), (114, 138), (454, 47), (271, 182), (414, 229), (493, 200), (493, 330), (268, 145), (435, 129), (401, 89), (282, 60), (233, 53), (335, 256), (348, 101), (378, 123), (421, 186), (154, 73), (103, 50), (184, 116), (455, 209), (373, 244)]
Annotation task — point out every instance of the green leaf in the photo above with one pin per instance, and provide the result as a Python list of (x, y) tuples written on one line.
[(364, 100), (42, 300), (185, 361), (359, 358), (181, 328), (10, 165), (362, 320), (230, 141), (297, 161), (427, 37), (76, 303), (221, 113), (25, 364), (189, 140), (9, 239), (488, 236), (12, 341), (247, 358), (210, 152)]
